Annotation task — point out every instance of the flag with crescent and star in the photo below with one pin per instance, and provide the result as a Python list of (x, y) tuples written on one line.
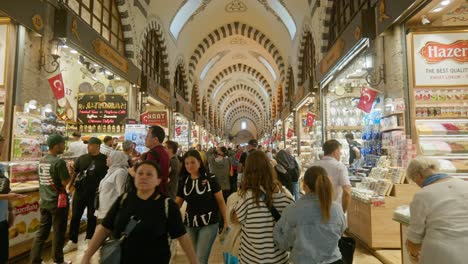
[(178, 130), (56, 83), (367, 99), (310, 119), (290, 133)]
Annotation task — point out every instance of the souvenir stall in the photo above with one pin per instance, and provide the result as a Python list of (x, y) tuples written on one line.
[(438, 81), (195, 138), (309, 131), (289, 132)]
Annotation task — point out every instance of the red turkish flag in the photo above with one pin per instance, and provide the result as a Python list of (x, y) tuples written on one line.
[(290, 133), (56, 83), (310, 119), (178, 131), (367, 99)]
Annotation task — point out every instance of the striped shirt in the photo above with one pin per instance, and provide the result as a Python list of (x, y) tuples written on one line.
[(257, 245)]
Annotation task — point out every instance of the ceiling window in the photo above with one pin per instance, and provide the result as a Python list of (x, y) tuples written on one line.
[(268, 66), (244, 125), (152, 62), (284, 15), (183, 15), (343, 12), (103, 16)]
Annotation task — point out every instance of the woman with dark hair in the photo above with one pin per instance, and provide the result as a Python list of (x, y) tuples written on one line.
[(204, 203), (313, 225), (157, 215), (262, 199)]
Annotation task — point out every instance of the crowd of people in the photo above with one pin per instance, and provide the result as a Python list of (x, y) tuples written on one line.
[(254, 200)]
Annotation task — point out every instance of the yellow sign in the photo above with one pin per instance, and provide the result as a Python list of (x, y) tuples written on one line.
[(74, 28), (110, 55), (382, 15), (332, 56), (38, 22)]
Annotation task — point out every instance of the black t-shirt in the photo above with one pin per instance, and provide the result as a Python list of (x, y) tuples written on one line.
[(148, 242), (92, 180), (202, 208), (244, 155), (352, 154)]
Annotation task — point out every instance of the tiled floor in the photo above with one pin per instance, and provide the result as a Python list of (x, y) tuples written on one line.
[(361, 256)]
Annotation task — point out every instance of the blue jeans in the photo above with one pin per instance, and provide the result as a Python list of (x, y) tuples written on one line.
[(202, 240), (296, 193)]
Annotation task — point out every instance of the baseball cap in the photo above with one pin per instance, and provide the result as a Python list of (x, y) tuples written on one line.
[(55, 139), (94, 140), (253, 142)]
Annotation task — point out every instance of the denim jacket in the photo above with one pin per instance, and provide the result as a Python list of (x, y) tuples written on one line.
[(301, 228)]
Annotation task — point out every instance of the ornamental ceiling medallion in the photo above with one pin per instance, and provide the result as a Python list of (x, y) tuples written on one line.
[(236, 6)]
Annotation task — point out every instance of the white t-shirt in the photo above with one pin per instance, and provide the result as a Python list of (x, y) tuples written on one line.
[(78, 148), (338, 174)]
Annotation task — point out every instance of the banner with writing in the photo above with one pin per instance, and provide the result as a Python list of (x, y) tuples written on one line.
[(102, 112)]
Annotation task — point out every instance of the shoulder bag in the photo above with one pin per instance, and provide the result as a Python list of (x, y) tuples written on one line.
[(81, 178), (111, 252)]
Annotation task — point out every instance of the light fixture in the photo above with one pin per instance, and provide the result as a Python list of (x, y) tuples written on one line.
[(425, 20), (73, 51), (54, 64), (48, 108), (436, 10), (371, 77), (445, 2)]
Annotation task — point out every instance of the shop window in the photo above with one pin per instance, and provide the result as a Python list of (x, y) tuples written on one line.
[(179, 82), (103, 16), (152, 62), (308, 59), (343, 11)]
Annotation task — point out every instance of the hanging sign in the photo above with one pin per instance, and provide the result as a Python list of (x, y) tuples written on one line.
[(440, 59), (56, 83), (110, 55), (154, 118), (99, 111), (290, 133), (367, 99), (310, 119)]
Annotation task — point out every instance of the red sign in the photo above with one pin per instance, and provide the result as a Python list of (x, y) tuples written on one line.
[(435, 52), (367, 99), (194, 133), (310, 119), (56, 83), (278, 137), (290, 133), (178, 130), (154, 118)]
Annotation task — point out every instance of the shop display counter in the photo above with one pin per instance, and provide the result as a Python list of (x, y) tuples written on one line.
[(372, 222), (402, 217)]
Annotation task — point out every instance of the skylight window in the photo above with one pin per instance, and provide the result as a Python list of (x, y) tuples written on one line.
[(209, 65), (268, 66), (219, 88), (284, 15), (243, 125), (183, 15)]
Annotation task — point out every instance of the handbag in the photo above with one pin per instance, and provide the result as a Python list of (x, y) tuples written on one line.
[(62, 201), (111, 252), (81, 178), (347, 246)]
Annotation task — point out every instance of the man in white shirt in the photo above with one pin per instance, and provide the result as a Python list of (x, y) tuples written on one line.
[(77, 147), (107, 148), (337, 172)]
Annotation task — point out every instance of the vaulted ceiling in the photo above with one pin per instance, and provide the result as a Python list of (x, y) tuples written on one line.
[(236, 52)]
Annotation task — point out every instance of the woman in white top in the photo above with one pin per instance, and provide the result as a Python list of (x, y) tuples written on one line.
[(113, 184), (438, 231), (260, 191)]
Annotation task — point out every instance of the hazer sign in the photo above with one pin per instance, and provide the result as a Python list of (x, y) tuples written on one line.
[(435, 52), (440, 59)]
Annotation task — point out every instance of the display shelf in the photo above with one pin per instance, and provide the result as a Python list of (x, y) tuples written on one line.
[(392, 129), (440, 103), (439, 118), (344, 128), (391, 114)]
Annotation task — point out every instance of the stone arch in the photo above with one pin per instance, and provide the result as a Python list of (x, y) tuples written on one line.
[(128, 27), (231, 123), (243, 110), (180, 63), (240, 67), (240, 87), (227, 30), (325, 18), (237, 101), (154, 24)]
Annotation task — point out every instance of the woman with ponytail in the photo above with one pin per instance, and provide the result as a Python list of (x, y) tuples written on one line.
[(313, 225)]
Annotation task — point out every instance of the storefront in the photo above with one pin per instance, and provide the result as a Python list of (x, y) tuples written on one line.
[(309, 125), (183, 118)]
